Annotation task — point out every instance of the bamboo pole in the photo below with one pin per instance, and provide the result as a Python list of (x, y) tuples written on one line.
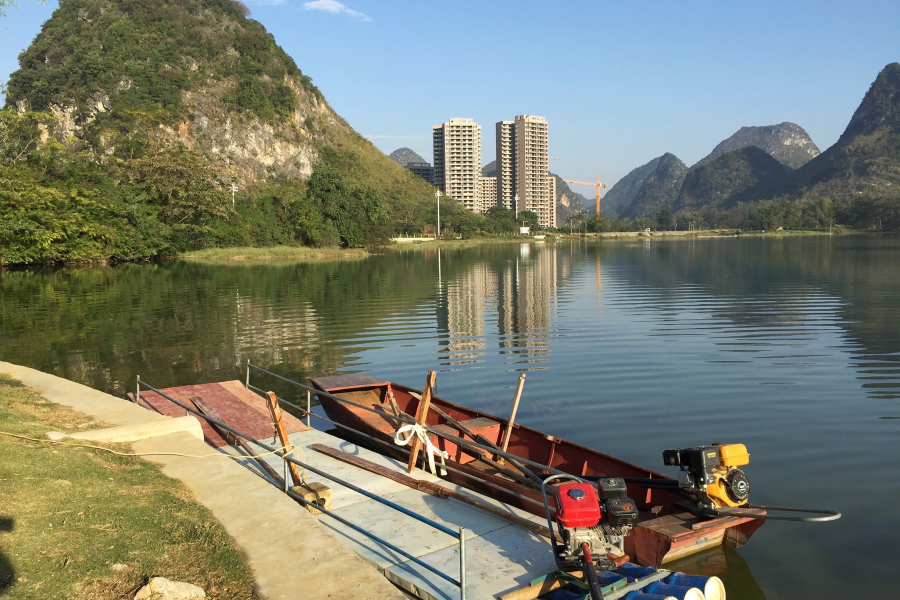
[(421, 414), (512, 414)]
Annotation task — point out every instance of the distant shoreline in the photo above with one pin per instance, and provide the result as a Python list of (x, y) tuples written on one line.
[(274, 254)]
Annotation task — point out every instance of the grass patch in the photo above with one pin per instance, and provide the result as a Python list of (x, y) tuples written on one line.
[(68, 514), (280, 254)]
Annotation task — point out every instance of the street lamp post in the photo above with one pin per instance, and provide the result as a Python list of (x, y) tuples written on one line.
[(438, 195)]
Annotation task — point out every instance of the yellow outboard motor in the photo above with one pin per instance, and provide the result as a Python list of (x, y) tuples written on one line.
[(711, 473)]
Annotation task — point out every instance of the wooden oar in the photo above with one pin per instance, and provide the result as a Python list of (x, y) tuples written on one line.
[(428, 487)]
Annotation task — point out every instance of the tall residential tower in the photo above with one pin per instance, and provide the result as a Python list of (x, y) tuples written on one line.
[(522, 168), (506, 159), (457, 160)]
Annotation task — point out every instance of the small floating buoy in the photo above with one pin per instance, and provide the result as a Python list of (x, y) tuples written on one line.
[(676, 591), (712, 587)]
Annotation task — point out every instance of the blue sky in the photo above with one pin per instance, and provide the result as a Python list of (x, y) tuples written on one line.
[(619, 82)]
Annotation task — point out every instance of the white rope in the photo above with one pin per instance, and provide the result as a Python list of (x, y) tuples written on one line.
[(407, 433)]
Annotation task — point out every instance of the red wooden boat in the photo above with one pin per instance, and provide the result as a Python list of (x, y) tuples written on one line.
[(665, 530)]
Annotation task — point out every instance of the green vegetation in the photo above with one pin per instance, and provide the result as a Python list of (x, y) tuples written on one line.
[(275, 254), (660, 188), (70, 514), (742, 175), (143, 55)]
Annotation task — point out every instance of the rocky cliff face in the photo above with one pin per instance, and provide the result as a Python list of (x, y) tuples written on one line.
[(660, 188), (568, 202), (787, 143), (865, 161), (620, 196), (743, 175), (117, 77)]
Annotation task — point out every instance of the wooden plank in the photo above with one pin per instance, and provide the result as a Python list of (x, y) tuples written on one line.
[(261, 407), (235, 440), (275, 411), (530, 592), (428, 487), (421, 414)]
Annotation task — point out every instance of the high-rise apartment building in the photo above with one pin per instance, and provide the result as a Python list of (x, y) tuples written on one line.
[(423, 170), (531, 167), (506, 160), (551, 187), (522, 161), (457, 160), (487, 193)]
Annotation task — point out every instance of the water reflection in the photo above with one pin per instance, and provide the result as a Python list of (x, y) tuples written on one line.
[(727, 565), (507, 303)]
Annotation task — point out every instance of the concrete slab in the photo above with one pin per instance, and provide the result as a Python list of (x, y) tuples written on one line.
[(405, 532), (279, 537), (342, 497), (496, 562), (135, 431)]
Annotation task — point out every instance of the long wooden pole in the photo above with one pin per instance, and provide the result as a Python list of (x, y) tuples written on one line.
[(234, 440), (512, 414), (275, 411), (421, 414)]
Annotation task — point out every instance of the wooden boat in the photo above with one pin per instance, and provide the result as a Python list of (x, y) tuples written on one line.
[(665, 530)]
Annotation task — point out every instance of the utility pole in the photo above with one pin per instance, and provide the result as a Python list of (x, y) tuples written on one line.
[(234, 188), (438, 195)]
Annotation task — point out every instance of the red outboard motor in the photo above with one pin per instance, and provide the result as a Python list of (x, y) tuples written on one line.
[(592, 527)]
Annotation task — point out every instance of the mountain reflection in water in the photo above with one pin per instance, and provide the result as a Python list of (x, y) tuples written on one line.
[(789, 345)]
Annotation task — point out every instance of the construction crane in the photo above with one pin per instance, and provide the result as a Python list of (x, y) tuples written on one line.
[(598, 185)]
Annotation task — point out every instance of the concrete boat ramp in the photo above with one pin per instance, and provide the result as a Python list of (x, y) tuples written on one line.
[(292, 553), (500, 555)]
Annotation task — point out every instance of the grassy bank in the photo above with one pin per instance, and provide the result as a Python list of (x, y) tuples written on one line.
[(274, 254), (83, 523)]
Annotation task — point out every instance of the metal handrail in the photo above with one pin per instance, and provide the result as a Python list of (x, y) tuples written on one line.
[(455, 439), (460, 535)]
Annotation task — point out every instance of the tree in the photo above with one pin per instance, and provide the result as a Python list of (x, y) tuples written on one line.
[(358, 212), (184, 190), (664, 218), (530, 218)]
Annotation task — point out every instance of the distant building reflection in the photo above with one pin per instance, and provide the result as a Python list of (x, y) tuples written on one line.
[(518, 296)]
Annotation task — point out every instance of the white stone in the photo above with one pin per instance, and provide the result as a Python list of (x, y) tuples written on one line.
[(161, 588)]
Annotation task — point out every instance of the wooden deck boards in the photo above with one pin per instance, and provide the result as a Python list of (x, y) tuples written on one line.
[(239, 407)]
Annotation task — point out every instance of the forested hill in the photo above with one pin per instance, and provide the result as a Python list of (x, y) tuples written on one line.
[(132, 119), (865, 161)]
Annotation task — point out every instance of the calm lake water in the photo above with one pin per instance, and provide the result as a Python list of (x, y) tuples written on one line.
[(790, 345)]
